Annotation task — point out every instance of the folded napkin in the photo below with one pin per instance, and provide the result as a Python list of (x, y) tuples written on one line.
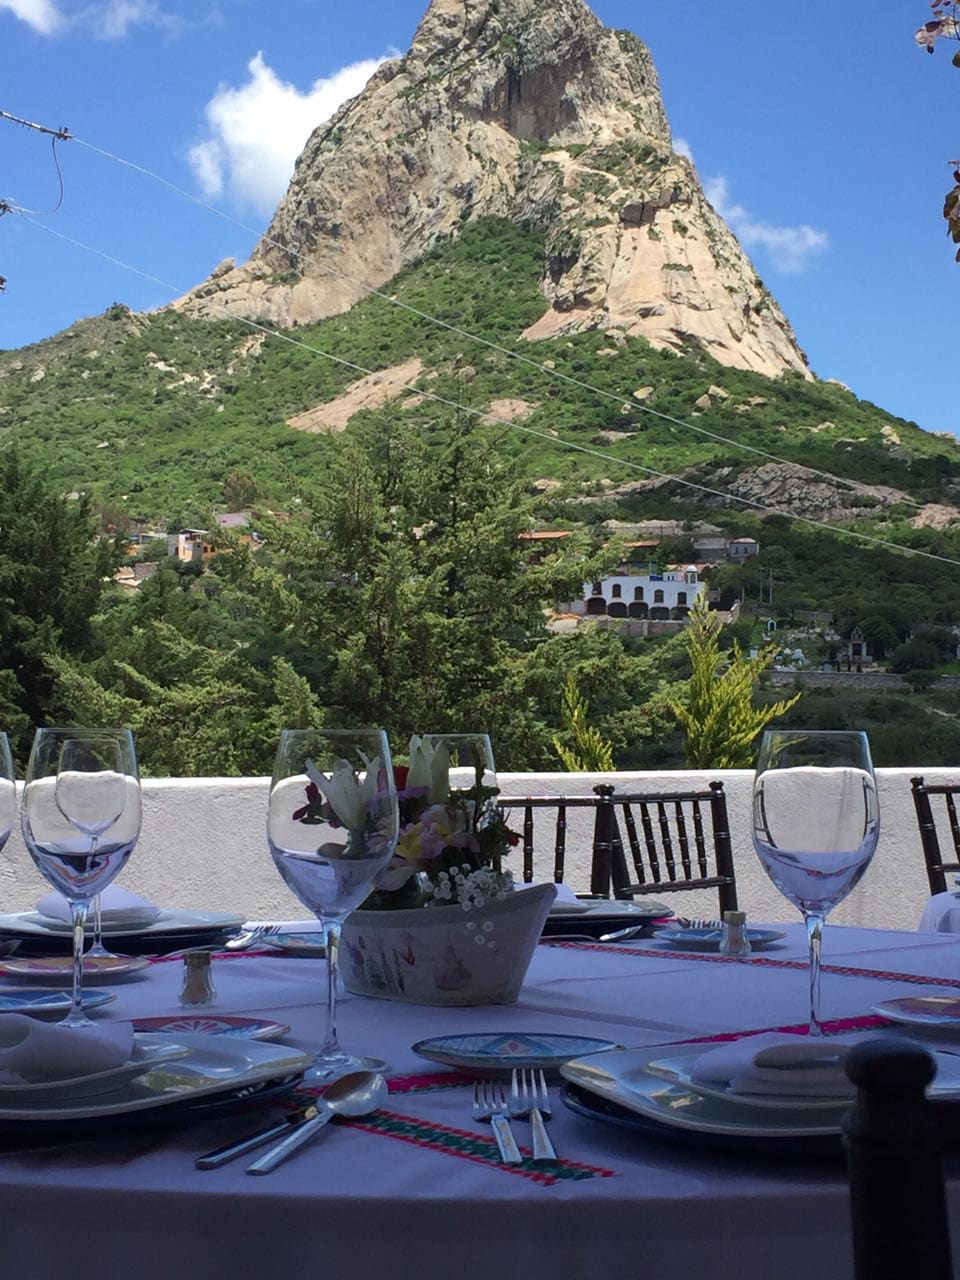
[(32, 1052), (117, 907), (777, 1066)]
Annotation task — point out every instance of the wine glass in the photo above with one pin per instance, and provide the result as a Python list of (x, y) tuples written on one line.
[(332, 827), (815, 825), (80, 820), (8, 790)]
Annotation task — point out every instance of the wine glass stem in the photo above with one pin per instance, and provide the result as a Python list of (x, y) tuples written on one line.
[(97, 939), (332, 934), (76, 1017), (814, 925)]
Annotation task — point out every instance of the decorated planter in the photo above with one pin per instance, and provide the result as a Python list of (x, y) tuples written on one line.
[(445, 955)]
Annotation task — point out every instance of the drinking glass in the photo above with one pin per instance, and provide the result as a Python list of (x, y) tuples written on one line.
[(332, 827), (80, 820), (8, 790), (471, 776), (815, 825), (98, 950)]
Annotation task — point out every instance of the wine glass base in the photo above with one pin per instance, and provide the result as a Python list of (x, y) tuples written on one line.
[(327, 1068)]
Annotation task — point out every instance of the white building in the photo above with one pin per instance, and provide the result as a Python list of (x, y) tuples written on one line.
[(660, 595)]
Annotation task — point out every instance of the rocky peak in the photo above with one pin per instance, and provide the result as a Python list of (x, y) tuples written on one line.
[(514, 108)]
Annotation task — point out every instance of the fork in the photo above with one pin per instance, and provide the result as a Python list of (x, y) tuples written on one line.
[(250, 937), (489, 1103), (529, 1097)]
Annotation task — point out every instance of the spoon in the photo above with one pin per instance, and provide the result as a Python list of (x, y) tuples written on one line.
[(356, 1094)]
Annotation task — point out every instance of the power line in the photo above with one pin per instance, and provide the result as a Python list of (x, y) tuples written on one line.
[(557, 374), (515, 426)]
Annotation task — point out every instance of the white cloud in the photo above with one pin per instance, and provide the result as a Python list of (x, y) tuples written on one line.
[(790, 249), (257, 131), (682, 148), (108, 19), (42, 15)]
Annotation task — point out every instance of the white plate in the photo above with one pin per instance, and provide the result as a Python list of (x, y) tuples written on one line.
[(607, 907), (59, 969), (676, 1069), (624, 1077), (148, 1052), (32, 924), (214, 1064), (941, 1013)]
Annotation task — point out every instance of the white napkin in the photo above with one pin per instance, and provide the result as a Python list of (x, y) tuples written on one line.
[(777, 1066), (33, 1051), (117, 907)]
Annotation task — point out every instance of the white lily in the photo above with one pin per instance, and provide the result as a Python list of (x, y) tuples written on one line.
[(440, 774), (351, 800)]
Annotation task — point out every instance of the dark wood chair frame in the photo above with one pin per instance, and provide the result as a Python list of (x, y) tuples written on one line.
[(668, 839), (929, 838)]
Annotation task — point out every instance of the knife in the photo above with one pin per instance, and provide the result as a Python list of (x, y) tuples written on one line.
[(222, 1155)]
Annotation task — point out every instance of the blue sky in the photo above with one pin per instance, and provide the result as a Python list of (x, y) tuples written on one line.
[(819, 130)]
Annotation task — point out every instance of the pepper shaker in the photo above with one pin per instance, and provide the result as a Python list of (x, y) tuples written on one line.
[(197, 989)]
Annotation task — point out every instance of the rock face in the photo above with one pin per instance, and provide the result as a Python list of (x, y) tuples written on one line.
[(519, 109)]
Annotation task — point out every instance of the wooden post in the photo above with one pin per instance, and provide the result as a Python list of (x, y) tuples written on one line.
[(897, 1198)]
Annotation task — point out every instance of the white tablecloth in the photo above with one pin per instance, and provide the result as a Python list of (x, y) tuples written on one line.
[(368, 1204)]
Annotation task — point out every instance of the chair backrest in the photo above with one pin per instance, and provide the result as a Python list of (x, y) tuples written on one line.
[(929, 835), (549, 813), (893, 1138), (676, 840)]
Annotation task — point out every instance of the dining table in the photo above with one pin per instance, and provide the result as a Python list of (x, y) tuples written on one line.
[(417, 1191)]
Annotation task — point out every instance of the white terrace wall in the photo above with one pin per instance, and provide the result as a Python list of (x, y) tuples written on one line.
[(203, 845)]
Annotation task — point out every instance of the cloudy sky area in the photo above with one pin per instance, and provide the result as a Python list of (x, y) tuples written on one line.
[(823, 160)]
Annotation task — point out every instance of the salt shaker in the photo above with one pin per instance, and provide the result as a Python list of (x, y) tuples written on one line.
[(734, 940), (197, 988)]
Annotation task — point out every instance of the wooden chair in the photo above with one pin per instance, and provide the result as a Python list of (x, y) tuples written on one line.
[(549, 813), (894, 1138), (676, 840), (929, 837)]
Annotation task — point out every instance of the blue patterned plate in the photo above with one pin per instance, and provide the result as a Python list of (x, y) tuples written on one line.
[(43, 1004), (214, 1024), (709, 939), (494, 1052)]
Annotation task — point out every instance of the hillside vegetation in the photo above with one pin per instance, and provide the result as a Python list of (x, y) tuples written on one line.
[(397, 591)]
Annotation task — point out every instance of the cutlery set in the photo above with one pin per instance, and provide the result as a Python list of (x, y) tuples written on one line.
[(363, 1092)]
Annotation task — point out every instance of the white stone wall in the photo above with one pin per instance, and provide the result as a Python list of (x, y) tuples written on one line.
[(203, 845)]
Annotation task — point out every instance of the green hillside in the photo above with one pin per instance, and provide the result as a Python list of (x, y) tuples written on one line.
[(400, 592), (151, 413)]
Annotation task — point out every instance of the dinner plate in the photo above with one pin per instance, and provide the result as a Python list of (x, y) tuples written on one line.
[(304, 943), (60, 968), (213, 1064), (214, 1024), (181, 925), (626, 1078), (677, 1068), (807, 1144), (501, 1051), (709, 939), (620, 907), (43, 1004), (941, 1013), (149, 1051)]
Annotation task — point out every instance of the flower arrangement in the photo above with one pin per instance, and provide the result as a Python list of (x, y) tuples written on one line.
[(452, 839)]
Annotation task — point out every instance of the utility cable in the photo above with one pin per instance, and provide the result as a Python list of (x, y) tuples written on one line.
[(515, 426)]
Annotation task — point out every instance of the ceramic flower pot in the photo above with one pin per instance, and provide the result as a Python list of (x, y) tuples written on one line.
[(445, 955)]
